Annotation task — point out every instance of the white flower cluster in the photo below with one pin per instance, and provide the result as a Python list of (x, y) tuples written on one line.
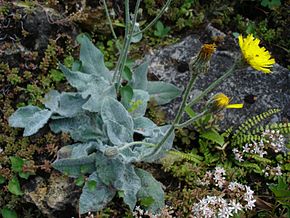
[(217, 177), (235, 197), (272, 171), (166, 212), (271, 140), (275, 140)]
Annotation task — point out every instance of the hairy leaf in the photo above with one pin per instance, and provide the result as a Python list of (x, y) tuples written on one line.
[(142, 97), (162, 92), (76, 159), (84, 127), (97, 198), (92, 59), (150, 188), (66, 104), (30, 118), (144, 126), (118, 121), (140, 76)]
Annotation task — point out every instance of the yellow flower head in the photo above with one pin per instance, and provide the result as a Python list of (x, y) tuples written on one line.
[(257, 57), (220, 101)]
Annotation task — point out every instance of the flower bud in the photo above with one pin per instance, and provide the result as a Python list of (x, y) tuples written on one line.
[(200, 63), (111, 152)]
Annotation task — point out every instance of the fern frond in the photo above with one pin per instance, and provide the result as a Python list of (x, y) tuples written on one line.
[(251, 166), (283, 128), (251, 122), (187, 156), (242, 139), (259, 159), (227, 133)]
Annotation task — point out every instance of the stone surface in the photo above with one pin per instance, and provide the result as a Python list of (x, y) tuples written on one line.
[(271, 90), (54, 196)]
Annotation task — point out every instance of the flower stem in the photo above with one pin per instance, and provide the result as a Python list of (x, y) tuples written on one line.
[(188, 122), (127, 23), (109, 19), (128, 39), (214, 84), (123, 147), (163, 9), (178, 115)]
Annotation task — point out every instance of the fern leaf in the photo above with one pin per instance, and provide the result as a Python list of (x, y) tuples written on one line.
[(251, 122)]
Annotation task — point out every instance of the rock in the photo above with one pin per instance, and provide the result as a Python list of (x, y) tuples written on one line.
[(270, 90), (54, 196)]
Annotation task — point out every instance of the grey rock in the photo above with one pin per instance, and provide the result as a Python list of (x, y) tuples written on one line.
[(271, 90), (52, 196)]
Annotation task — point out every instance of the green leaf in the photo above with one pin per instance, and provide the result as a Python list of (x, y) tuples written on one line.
[(96, 199), (17, 164), (281, 190), (138, 37), (126, 94), (80, 181), (151, 191), (7, 213), (140, 76), (2, 179), (191, 113), (142, 97), (92, 185), (14, 186), (118, 121), (56, 75), (92, 59), (214, 136), (162, 92), (127, 73), (30, 118)]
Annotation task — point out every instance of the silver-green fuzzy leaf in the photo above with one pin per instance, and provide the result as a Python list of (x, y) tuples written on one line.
[(150, 188), (162, 92), (83, 127), (142, 97), (118, 121), (96, 199), (140, 76), (66, 104), (92, 59), (144, 126), (76, 159), (30, 118)]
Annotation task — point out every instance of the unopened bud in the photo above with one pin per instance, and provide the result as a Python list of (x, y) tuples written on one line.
[(111, 152)]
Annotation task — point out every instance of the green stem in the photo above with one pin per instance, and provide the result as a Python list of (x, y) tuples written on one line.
[(123, 147), (128, 42), (188, 122), (163, 9), (178, 115), (127, 23), (109, 19), (214, 84)]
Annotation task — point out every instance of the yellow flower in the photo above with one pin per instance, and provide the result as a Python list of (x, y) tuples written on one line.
[(258, 57), (221, 101)]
